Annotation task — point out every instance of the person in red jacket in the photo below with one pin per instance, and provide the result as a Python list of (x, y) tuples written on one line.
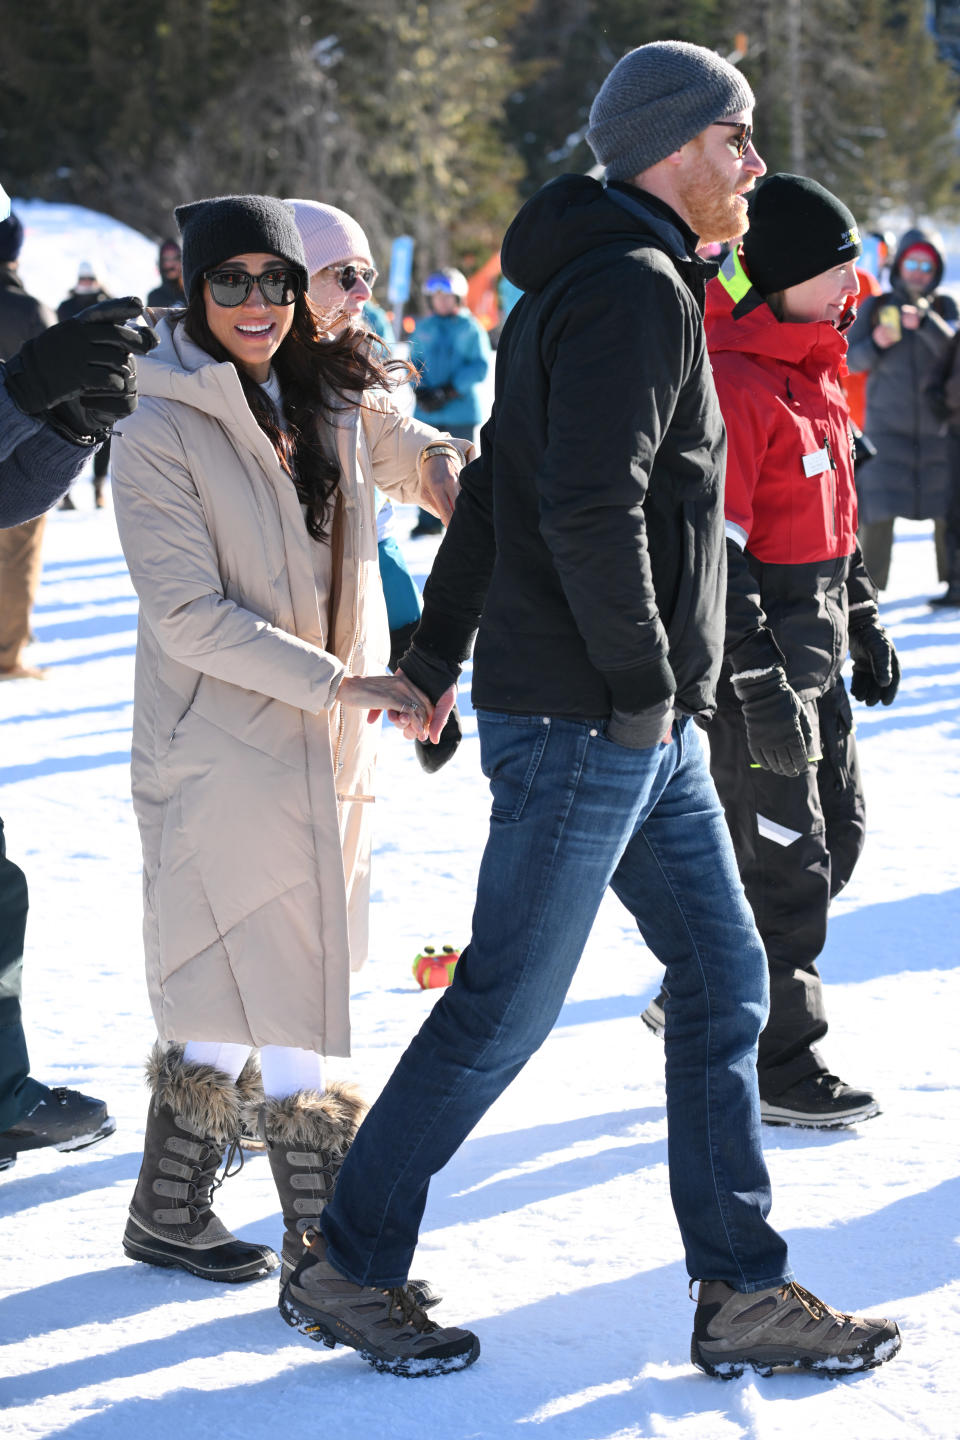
[(782, 750)]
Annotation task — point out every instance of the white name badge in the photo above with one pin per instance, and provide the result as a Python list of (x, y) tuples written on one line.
[(816, 462)]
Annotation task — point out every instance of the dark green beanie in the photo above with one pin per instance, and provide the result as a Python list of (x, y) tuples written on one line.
[(217, 229), (797, 230)]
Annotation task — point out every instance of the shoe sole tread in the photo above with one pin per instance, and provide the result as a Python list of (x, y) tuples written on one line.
[(325, 1329), (831, 1367), (237, 1275), (777, 1115)]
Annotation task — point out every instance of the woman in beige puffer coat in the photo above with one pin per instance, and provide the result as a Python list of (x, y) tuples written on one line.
[(244, 491)]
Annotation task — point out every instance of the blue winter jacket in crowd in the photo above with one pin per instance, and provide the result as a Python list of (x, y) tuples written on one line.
[(37, 467), (379, 322), (452, 350)]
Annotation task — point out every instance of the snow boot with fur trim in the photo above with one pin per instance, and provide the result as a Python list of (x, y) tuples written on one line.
[(387, 1327), (307, 1136), (194, 1117)]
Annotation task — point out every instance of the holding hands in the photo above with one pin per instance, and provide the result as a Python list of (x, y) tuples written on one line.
[(406, 706)]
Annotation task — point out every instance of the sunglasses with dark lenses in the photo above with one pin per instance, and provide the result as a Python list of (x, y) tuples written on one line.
[(743, 136), (232, 287), (348, 275)]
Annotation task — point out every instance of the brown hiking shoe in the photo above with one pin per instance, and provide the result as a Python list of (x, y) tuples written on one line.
[(387, 1327), (785, 1325)]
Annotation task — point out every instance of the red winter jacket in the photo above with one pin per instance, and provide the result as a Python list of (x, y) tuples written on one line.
[(790, 502), (781, 399)]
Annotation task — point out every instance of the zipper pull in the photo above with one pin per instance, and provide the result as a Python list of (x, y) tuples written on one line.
[(826, 446)]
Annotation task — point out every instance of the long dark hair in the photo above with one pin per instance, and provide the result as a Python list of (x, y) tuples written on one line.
[(320, 376)]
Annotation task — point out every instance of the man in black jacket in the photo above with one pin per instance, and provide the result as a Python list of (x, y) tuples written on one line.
[(587, 545)]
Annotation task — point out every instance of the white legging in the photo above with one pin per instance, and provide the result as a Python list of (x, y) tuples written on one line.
[(284, 1069)]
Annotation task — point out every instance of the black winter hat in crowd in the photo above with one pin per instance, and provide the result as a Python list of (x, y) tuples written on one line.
[(214, 230), (11, 239), (797, 230)]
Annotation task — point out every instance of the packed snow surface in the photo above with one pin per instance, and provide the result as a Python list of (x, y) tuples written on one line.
[(550, 1233)]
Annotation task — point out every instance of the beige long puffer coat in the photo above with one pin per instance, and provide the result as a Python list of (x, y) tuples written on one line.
[(251, 785)]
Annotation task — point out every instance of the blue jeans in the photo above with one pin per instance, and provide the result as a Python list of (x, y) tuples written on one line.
[(573, 812)]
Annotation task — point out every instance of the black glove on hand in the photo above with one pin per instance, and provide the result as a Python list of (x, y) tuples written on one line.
[(428, 398), (778, 732), (434, 397), (641, 729), (87, 356), (434, 757), (876, 669), (91, 417)]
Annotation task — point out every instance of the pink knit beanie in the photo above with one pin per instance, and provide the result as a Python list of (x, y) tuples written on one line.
[(329, 235)]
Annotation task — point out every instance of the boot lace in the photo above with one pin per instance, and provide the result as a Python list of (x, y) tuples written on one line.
[(817, 1309), (409, 1311), (206, 1180)]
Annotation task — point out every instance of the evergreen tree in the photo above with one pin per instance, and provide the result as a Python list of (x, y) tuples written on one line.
[(564, 49), (853, 93)]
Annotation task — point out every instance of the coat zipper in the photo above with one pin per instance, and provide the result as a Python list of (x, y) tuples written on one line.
[(833, 482)]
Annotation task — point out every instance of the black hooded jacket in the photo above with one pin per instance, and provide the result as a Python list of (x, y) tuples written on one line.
[(588, 539)]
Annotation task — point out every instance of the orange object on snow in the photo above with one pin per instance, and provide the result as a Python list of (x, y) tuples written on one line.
[(433, 971)]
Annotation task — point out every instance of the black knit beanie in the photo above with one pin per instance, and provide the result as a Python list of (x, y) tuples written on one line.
[(11, 239), (214, 230), (797, 230)]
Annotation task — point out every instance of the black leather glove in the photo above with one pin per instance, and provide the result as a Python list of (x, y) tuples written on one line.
[(83, 361), (778, 731), (641, 729), (876, 669)]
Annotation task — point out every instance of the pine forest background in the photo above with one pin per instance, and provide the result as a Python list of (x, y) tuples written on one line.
[(435, 118)]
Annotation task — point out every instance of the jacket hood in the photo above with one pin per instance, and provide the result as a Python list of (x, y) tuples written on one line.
[(745, 324), (178, 369), (917, 236), (574, 214)]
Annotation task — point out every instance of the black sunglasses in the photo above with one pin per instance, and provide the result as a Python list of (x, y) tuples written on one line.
[(232, 287), (348, 275), (742, 138)]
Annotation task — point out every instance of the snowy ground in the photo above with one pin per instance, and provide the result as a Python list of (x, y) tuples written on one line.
[(551, 1231)]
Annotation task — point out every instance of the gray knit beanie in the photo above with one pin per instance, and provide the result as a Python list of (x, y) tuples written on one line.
[(657, 98)]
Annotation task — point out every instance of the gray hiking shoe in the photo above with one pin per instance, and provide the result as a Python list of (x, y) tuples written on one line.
[(387, 1327), (783, 1326)]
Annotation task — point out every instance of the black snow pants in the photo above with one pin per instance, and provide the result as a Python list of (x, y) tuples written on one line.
[(797, 840), (18, 1093)]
